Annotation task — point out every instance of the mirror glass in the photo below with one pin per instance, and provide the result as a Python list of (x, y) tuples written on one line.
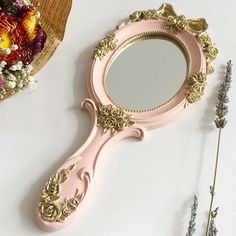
[(146, 73)]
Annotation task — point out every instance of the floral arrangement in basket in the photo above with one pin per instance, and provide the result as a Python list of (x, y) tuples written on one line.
[(21, 38)]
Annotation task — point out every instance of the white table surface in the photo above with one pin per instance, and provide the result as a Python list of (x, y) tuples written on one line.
[(140, 188)]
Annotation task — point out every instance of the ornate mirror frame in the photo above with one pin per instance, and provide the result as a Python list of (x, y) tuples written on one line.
[(62, 195)]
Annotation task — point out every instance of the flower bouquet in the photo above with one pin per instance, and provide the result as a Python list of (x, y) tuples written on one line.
[(29, 35)]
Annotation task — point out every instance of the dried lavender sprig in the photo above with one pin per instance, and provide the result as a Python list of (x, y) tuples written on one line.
[(213, 230), (221, 112), (221, 107), (192, 222)]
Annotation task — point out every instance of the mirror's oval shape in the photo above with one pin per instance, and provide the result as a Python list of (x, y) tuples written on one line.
[(146, 73)]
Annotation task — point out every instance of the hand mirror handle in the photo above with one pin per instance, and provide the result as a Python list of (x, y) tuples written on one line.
[(78, 171)]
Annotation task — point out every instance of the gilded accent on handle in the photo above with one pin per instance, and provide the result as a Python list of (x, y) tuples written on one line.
[(196, 86), (106, 45), (48, 208), (114, 119)]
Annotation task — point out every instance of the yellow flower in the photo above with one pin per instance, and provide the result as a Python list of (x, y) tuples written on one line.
[(5, 40)]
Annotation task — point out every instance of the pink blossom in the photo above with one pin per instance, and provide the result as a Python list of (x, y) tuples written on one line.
[(2, 82), (20, 2)]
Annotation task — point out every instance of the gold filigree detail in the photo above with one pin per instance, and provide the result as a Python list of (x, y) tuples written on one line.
[(209, 48), (145, 15), (48, 208), (175, 22), (106, 45), (114, 119), (196, 86)]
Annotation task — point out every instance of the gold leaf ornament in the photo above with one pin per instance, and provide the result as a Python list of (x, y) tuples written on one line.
[(49, 209), (208, 46), (106, 45), (175, 22), (114, 119), (196, 86)]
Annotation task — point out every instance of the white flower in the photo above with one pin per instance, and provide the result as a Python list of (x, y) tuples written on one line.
[(11, 77), (20, 85), (19, 65), (4, 92), (5, 51), (14, 47), (3, 64), (38, 14), (14, 68), (31, 78), (11, 84), (23, 73), (31, 81), (29, 68), (27, 2)]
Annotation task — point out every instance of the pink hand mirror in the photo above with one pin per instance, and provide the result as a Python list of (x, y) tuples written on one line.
[(143, 75)]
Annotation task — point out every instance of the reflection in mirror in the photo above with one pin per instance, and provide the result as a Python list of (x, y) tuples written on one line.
[(146, 73)]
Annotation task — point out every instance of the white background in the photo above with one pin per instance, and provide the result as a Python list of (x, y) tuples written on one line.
[(140, 188)]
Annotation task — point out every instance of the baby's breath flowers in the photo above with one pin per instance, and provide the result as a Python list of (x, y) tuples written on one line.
[(21, 38), (15, 78)]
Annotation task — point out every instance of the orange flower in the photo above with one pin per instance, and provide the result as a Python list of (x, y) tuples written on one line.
[(11, 33), (30, 22), (23, 30)]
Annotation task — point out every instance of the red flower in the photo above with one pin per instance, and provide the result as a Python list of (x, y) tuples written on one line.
[(21, 30), (12, 32)]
